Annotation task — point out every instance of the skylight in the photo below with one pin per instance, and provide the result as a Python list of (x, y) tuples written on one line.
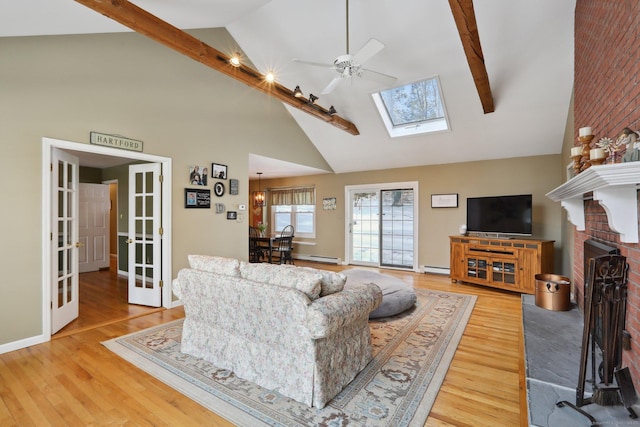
[(413, 108)]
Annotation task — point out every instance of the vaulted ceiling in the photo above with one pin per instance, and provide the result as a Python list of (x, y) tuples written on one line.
[(527, 48)]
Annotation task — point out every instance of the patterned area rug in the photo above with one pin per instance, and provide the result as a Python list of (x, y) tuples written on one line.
[(412, 353)]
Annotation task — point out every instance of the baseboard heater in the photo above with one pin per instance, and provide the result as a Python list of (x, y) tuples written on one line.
[(435, 270), (319, 258)]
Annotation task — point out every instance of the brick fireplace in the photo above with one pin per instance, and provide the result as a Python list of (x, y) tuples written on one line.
[(597, 228), (607, 99)]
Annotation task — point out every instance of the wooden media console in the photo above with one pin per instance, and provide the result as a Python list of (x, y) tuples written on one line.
[(509, 264)]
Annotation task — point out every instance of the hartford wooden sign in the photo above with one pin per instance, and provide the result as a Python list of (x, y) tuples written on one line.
[(115, 141)]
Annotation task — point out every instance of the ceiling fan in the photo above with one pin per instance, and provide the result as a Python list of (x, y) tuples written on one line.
[(348, 65)]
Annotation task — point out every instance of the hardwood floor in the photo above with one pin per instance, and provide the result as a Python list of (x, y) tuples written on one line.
[(103, 300), (74, 380)]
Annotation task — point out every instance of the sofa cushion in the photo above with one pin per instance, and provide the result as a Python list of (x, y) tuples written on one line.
[(215, 264), (332, 282), (305, 281)]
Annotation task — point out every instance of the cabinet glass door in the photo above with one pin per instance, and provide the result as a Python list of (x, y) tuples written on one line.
[(477, 268), (504, 272)]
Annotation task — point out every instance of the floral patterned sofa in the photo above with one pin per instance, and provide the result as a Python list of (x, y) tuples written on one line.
[(289, 329)]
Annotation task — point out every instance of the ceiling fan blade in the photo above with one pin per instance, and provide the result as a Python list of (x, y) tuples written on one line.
[(332, 85), (377, 77), (315, 64), (365, 53)]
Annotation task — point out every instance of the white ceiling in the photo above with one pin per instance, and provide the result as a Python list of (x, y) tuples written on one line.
[(527, 46)]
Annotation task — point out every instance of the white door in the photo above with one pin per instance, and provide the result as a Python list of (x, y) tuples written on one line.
[(145, 235), (93, 224), (64, 239)]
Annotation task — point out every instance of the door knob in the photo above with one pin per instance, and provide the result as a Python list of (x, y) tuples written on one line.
[(79, 245), (129, 241)]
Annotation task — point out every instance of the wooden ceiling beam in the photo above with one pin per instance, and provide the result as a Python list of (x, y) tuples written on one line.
[(153, 27), (465, 18)]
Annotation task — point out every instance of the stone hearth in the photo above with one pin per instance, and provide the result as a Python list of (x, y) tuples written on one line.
[(552, 353)]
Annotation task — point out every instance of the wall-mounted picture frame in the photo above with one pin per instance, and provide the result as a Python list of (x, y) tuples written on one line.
[(234, 185), (232, 215), (219, 171), (198, 175), (197, 198), (218, 189), (329, 203), (444, 200)]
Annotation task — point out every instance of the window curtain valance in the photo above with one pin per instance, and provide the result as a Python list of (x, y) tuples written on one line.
[(293, 196)]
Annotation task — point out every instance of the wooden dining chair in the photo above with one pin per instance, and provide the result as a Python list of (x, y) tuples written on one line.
[(282, 251), (255, 250)]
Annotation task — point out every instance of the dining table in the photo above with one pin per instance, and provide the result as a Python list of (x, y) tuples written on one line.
[(265, 243)]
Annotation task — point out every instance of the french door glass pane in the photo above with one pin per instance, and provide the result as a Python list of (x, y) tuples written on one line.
[(365, 227), (397, 228)]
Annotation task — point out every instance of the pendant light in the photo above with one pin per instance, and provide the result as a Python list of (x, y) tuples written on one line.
[(259, 196)]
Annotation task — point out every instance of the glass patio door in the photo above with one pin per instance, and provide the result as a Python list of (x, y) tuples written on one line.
[(382, 226)]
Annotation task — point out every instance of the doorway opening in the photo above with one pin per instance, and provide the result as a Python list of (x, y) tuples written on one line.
[(98, 155)]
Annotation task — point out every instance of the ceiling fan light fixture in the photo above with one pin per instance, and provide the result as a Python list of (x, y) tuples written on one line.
[(297, 92)]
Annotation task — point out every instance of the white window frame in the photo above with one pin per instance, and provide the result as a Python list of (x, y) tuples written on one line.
[(428, 126), (294, 221)]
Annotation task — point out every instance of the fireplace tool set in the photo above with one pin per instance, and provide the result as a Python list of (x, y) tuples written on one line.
[(604, 320)]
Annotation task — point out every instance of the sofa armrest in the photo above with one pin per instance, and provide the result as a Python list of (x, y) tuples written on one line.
[(328, 314), (175, 287)]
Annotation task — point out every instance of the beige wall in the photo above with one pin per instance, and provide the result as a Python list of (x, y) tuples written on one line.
[(64, 87), (528, 175)]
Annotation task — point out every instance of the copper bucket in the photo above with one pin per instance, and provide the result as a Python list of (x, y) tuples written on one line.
[(553, 292)]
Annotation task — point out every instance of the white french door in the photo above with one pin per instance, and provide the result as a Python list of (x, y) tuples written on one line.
[(145, 235), (382, 225), (64, 239), (93, 226)]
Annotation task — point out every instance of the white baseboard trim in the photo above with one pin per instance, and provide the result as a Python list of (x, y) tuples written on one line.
[(435, 270), (319, 258), (27, 342)]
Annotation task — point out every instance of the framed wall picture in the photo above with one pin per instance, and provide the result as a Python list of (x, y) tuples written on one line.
[(444, 200), (218, 188), (329, 203), (219, 171), (197, 198), (233, 187), (198, 175)]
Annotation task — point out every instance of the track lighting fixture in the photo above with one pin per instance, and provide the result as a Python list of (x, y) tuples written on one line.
[(235, 60), (297, 92), (270, 77), (332, 110), (312, 98)]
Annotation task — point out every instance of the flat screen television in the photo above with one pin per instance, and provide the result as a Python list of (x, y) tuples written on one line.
[(500, 214)]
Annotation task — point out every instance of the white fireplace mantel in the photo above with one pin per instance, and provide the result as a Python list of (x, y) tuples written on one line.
[(615, 187)]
